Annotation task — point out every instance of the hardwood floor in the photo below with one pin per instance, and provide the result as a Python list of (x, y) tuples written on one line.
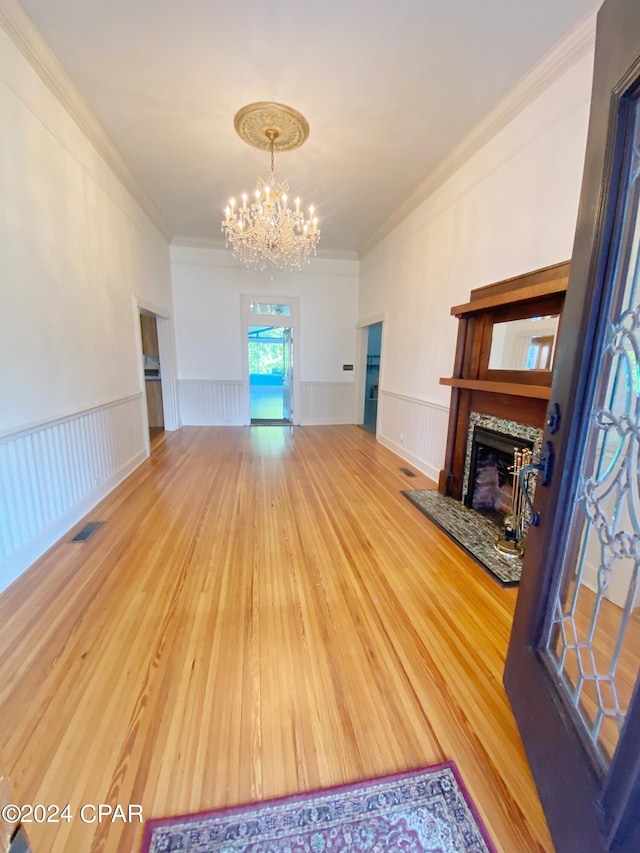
[(261, 613)]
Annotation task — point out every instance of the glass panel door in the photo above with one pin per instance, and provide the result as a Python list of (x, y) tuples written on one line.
[(574, 655), (593, 638)]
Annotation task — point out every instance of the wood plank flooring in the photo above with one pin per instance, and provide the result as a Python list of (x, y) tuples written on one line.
[(261, 613)]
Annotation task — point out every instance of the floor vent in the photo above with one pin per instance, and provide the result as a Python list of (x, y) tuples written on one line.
[(408, 472), (88, 530)]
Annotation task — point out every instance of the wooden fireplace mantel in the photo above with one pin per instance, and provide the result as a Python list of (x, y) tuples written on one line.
[(514, 395), (515, 389)]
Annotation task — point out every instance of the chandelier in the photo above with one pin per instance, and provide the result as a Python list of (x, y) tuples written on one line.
[(268, 230)]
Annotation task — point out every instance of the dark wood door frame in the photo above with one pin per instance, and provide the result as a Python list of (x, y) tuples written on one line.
[(588, 811)]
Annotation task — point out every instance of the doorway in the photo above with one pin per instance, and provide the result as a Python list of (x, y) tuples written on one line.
[(270, 358), (372, 377), (152, 374), (270, 369)]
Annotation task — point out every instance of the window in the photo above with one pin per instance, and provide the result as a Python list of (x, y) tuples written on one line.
[(270, 308)]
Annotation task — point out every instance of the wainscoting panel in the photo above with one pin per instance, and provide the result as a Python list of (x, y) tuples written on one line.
[(210, 402), (414, 429), (53, 473), (325, 403)]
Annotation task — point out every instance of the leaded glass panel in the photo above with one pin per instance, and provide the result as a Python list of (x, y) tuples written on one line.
[(593, 638)]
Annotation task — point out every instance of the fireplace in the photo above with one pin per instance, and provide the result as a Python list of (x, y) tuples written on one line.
[(490, 481), (489, 452)]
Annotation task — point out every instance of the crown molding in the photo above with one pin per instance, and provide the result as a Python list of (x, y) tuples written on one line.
[(338, 254), (218, 243), (185, 242), (570, 50), (23, 33)]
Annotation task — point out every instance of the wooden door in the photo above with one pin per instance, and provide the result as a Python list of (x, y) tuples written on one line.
[(572, 666)]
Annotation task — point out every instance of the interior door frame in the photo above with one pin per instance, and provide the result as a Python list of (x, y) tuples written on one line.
[(362, 327), (292, 321), (288, 374), (543, 719), (167, 364)]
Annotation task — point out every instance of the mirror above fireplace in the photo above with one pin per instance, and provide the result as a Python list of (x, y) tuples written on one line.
[(525, 344)]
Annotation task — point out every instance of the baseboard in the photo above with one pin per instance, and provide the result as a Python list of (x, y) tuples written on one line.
[(19, 562), (424, 467), (323, 421)]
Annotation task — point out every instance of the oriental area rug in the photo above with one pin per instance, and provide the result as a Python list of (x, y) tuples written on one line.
[(422, 811), (473, 532)]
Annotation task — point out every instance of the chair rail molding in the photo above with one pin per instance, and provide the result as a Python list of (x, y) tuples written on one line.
[(54, 472), (415, 429)]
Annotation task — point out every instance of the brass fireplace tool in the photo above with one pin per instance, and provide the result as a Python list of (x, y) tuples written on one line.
[(511, 543)]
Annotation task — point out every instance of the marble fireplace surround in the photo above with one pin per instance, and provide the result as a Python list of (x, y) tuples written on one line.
[(500, 425)]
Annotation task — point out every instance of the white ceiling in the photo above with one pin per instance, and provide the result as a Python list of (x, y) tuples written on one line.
[(388, 88)]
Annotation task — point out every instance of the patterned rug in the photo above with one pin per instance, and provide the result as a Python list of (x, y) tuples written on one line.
[(474, 532), (422, 811)]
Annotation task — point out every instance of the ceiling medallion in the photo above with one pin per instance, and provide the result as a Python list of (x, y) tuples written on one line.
[(267, 232)]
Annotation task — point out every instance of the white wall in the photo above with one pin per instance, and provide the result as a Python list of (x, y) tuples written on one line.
[(75, 250), (207, 289), (510, 208)]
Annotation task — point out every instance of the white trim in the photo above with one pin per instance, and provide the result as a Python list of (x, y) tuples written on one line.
[(168, 370), (20, 561), (210, 256), (144, 410), (414, 428), (362, 327), (151, 307), (371, 321), (414, 399), (422, 466), (22, 32), (168, 373), (292, 322), (55, 472), (186, 242), (362, 346), (325, 403), (44, 423), (570, 50), (211, 402)]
